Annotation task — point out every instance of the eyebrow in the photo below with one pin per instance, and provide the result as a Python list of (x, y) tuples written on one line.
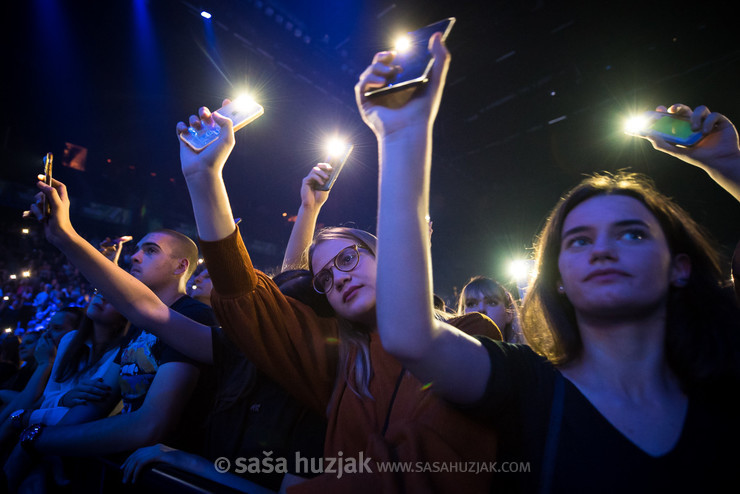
[(148, 244), (630, 222)]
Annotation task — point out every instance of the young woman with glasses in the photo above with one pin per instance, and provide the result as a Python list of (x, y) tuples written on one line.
[(377, 411)]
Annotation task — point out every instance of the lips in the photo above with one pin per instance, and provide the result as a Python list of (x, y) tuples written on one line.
[(349, 293), (605, 274)]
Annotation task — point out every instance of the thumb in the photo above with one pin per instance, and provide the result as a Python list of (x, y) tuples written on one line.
[(221, 121)]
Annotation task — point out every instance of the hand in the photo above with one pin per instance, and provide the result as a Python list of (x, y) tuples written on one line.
[(58, 227), (112, 248), (211, 159), (46, 350), (134, 464), (312, 198), (86, 391), (717, 151), (388, 114)]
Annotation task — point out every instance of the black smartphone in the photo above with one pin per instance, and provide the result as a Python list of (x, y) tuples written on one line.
[(414, 59), (241, 111), (670, 127), (48, 160), (336, 160)]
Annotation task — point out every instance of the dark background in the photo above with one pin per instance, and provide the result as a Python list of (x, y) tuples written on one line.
[(536, 96)]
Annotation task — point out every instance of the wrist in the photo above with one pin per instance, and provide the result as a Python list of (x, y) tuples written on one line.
[(29, 438)]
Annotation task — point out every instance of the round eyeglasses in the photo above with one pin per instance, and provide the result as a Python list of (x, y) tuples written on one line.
[(345, 261)]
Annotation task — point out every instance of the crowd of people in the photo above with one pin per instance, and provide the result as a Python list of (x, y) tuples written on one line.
[(615, 373)]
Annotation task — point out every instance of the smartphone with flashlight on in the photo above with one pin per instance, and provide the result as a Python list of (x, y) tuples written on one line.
[(337, 157), (48, 160), (672, 128), (412, 54), (242, 111)]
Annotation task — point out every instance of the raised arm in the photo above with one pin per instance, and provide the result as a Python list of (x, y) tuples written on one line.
[(434, 351), (718, 153), (130, 296), (203, 175), (296, 253)]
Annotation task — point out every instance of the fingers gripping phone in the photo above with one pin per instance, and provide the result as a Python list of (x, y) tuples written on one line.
[(241, 111), (337, 161), (46, 207), (415, 59), (670, 127)]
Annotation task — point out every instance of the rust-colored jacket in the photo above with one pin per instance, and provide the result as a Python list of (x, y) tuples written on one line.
[(403, 423)]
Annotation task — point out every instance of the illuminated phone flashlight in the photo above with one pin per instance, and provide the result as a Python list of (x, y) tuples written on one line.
[(402, 44), (636, 125), (26, 274), (24, 231), (12, 276), (8, 330), (337, 152)]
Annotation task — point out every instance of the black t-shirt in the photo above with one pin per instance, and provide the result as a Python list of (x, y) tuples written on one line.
[(142, 356), (252, 414), (591, 455)]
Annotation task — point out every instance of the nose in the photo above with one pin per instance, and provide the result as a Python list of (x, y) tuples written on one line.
[(603, 248), (340, 278), (481, 308), (136, 257)]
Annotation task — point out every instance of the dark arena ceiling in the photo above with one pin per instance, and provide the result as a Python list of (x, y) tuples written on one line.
[(536, 96)]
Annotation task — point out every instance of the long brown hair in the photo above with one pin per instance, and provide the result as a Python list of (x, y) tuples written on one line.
[(703, 320), (354, 338), (76, 360)]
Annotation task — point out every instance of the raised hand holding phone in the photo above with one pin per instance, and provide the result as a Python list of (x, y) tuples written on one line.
[(242, 111), (385, 116)]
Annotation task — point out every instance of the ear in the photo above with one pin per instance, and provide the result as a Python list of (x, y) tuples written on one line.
[(182, 266), (680, 270)]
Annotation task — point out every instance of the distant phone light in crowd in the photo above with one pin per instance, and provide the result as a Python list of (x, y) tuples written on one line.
[(6, 298), (200, 261), (402, 44), (8, 330), (205, 15), (26, 274), (24, 231), (194, 287), (12, 277)]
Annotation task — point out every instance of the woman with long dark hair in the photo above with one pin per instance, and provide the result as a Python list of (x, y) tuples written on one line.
[(630, 381)]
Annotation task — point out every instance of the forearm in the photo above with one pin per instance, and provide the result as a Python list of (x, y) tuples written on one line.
[(211, 207), (105, 436), (728, 178), (404, 309), (300, 238), (130, 296), (33, 390)]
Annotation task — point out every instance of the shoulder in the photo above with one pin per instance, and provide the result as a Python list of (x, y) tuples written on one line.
[(476, 323), (195, 310)]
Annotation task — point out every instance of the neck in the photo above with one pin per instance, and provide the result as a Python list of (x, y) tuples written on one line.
[(628, 355), (169, 294)]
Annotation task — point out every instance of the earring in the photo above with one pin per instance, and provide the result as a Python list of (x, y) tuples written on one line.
[(561, 289)]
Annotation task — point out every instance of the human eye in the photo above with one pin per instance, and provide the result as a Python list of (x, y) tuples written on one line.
[(324, 278), (471, 303), (633, 234), (347, 257), (576, 241), (491, 301)]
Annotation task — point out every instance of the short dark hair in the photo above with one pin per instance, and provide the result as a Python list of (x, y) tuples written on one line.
[(185, 248)]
